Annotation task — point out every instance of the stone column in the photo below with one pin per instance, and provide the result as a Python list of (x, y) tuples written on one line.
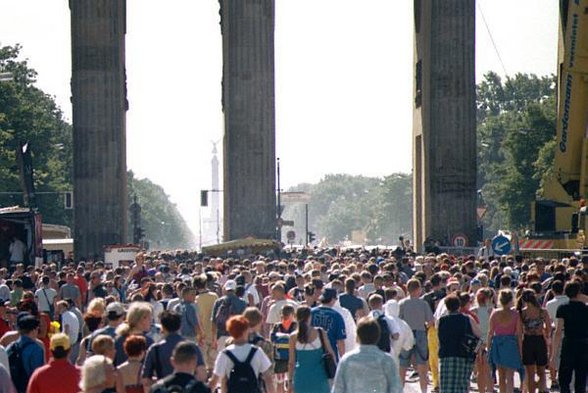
[(249, 107), (99, 101), (444, 126)]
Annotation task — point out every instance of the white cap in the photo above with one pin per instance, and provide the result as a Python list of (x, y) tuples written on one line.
[(230, 285)]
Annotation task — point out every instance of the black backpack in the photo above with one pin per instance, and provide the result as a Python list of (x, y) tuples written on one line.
[(242, 378), (17, 369), (193, 386), (384, 341)]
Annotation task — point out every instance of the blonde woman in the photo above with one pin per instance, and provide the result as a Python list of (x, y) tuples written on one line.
[(98, 375), (138, 322), (97, 306)]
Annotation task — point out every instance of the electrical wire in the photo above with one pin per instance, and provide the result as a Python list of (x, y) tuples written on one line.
[(491, 38)]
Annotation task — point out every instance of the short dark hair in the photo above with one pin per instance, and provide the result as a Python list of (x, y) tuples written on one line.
[(375, 301), (557, 287), (505, 281), (60, 353), (452, 302), (350, 285), (170, 321), (200, 282), (572, 289), (368, 331), (185, 352)]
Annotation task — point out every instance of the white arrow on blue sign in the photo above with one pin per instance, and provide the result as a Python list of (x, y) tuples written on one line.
[(501, 245)]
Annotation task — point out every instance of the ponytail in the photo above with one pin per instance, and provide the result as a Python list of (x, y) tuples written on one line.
[(303, 317)]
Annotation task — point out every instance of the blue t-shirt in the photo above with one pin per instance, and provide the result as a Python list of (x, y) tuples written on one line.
[(351, 302), (331, 322), (32, 355), (189, 313)]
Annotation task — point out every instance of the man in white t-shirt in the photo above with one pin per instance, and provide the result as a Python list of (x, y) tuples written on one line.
[(45, 297), (70, 324), (376, 306), (280, 300), (17, 251)]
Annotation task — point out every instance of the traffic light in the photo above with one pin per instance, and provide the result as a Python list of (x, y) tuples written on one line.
[(311, 237), (203, 198)]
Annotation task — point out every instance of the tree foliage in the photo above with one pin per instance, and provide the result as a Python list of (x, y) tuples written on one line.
[(516, 129), (162, 222), (341, 204), (516, 144), (29, 114)]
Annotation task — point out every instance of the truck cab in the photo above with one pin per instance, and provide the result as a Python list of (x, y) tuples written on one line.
[(21, 239)]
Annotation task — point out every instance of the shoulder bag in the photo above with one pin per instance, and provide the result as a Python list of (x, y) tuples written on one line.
[(328, 359)]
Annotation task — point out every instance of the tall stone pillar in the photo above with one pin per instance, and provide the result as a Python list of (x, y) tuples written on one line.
[(444, 122), (99, 101), (249, 108)]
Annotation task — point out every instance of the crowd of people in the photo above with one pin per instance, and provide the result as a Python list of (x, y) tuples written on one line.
[(312, 321)]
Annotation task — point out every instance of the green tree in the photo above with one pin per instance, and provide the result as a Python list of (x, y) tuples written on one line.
[(516, 119), (341, 204), (29, 114), (160, 219)]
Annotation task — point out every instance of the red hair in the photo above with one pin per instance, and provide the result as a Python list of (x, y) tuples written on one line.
[(237, 325), (135, 345)]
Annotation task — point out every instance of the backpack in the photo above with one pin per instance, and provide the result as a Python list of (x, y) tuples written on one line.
[(193, 386), (384, 341), (16, 363), (223, 313), (281, 342), (242, 378)]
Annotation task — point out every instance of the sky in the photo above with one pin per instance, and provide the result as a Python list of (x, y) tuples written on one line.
[(343, 80)]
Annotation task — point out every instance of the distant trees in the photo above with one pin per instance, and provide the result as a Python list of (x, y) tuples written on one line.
[(341, 204), (516, 142), (163, 224), (29, 114)]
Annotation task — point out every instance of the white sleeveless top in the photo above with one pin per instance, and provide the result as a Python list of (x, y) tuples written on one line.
[(316, 344)]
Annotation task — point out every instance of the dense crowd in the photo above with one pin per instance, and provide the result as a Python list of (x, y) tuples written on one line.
[(310, 321)]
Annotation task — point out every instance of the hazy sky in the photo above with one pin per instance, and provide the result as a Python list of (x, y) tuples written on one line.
[(343, 80)]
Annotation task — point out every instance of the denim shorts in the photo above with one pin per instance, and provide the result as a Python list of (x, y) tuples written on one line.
[(420, 350)]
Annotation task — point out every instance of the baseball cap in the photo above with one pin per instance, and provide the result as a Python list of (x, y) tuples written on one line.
[(115, 308), (26, 321), (59, 340), (230, 285), (328, 295)]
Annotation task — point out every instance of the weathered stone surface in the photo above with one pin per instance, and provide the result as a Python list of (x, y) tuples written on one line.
[(249, 108), (99, 101), (444, 127)]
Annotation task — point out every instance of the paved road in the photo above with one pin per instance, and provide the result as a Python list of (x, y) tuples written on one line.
[(413, 387)]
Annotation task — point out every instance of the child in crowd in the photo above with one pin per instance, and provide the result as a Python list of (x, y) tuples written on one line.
[(280, 338)]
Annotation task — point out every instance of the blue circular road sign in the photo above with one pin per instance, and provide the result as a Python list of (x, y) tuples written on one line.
[(501, 245)]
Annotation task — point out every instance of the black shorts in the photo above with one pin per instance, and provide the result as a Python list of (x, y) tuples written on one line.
[(534, 351)]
